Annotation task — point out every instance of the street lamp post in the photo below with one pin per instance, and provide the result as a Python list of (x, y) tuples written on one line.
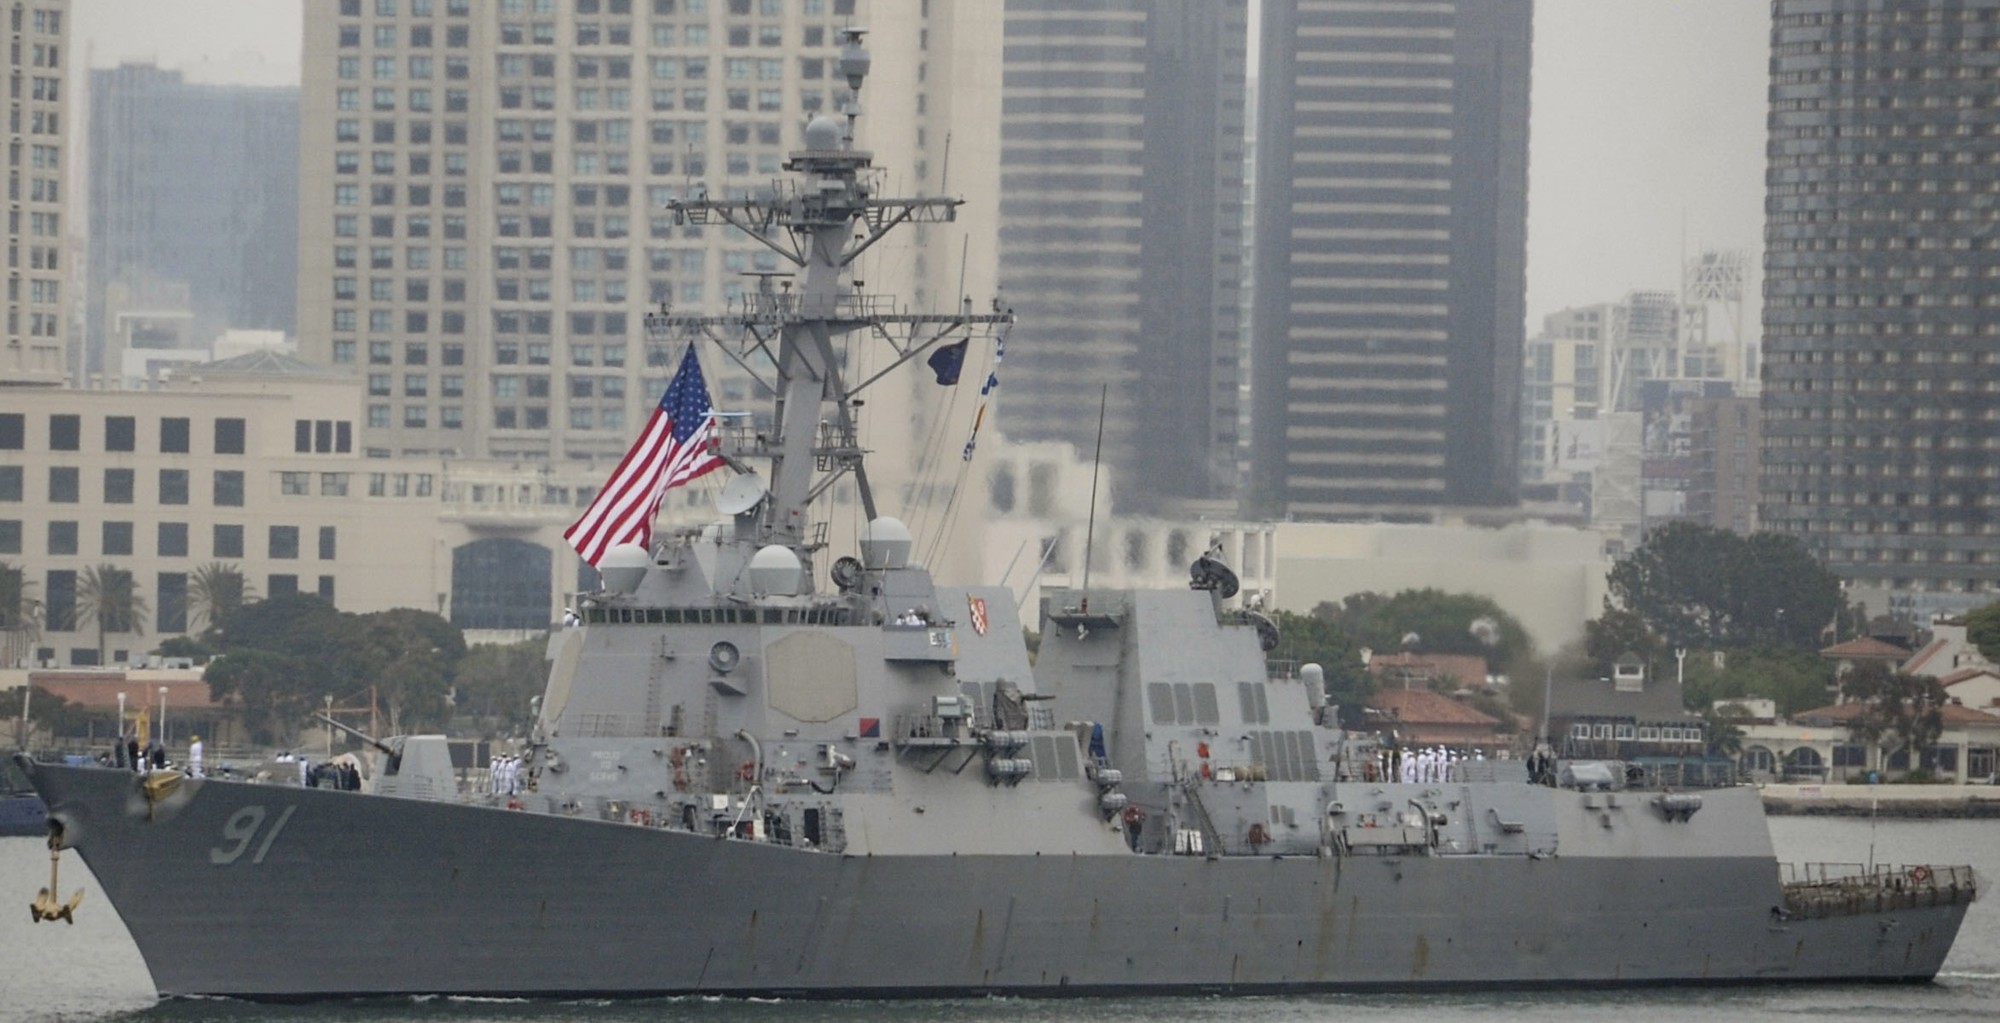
[(1680, 664), (329, 727), (121, 718), (163, 717)]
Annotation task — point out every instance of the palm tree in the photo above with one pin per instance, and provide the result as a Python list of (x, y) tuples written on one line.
[(216, 591), (107, 596), (20, 614)]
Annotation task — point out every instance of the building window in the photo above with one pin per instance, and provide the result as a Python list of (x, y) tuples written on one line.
[(326, 543), (13, 431), (117, 539), (228, 542), (170, 594), (10, 536), (118, 484), (62, 538), (229, 436), (228, 488), (326, 588), (173, 539), (173, 486), (294, 484), (120, 433), (10, 482), (281, 585), (65, 433), (333, 484), (174, 436), (284, 542), (64, 487)]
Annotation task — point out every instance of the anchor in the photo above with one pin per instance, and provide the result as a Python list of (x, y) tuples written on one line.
[(45, 908)]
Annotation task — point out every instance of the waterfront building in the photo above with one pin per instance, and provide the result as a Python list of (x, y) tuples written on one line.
[(34, 350), (1121, 154), (1881, 401), (483, 190), (1392, 195)]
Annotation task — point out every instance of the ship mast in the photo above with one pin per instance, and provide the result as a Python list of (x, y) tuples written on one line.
[(821, 221)]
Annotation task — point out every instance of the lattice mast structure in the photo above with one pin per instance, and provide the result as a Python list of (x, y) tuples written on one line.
[(821, 221)]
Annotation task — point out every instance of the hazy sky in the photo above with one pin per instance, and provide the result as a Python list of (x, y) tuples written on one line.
[(1647, 138)]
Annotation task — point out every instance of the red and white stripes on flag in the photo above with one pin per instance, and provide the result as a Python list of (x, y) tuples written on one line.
[(677, 445)]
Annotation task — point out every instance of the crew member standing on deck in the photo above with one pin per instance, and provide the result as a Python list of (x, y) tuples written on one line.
[(194, 756)]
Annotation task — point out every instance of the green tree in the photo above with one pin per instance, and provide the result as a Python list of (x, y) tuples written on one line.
[(1796, 680), (47, 713), (411, 659), (190, 647), (1444, 623), (1311, 639), (265, 687), (1903, 711), (107, 596), (20, 616), (215, 592), (1982, 627), (1618, 632), (497, 685), (1723, 726), (1696, 586)]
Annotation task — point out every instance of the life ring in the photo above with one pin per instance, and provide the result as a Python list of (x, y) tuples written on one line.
[(1920, 874), (1133, 816), (748, 772)]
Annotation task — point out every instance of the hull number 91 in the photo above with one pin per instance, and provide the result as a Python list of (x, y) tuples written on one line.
[(242, 829)]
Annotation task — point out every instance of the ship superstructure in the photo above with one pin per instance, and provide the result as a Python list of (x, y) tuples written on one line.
[(768, 764)]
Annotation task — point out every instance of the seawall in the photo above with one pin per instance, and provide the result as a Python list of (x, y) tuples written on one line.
[(1916, 801)]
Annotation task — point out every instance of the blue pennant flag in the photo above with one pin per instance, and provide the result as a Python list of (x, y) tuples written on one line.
[(948, 360)]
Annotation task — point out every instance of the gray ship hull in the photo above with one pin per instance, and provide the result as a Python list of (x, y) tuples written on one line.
[(279, 892)]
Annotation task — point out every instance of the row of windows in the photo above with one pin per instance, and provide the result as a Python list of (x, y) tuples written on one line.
[(120, 433), (170, 541), (65, 486), (1629, 733), (170, 608)]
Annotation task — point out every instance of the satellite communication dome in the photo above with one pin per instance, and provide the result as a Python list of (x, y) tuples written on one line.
[(885, 543), (776, 570), (822, 133), (624, 566)]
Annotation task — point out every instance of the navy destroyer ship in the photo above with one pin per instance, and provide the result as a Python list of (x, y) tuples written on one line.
[(765, 765)]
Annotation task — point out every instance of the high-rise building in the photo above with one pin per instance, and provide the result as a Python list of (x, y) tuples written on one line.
[(483, 187), (37, 323), (1724, 447), (1391, 239), (1122, 196), (193, 208), (1881, 371)]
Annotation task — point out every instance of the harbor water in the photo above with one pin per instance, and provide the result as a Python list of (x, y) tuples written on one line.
[(92, 970)]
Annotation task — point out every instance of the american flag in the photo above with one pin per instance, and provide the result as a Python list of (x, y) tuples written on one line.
[(677, 445)]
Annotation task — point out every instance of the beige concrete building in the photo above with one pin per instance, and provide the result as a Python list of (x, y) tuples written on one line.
[(38, 261), (483, 191), (253, 464)]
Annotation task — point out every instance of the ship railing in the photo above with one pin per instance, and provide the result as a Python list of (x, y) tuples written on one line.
[(1815, 890)]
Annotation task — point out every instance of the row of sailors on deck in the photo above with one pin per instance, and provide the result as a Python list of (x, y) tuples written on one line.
[(503, 776), (914, 616), (1418, 766)]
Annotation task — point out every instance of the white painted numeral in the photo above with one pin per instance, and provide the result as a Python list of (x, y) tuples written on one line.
[(241, 829)]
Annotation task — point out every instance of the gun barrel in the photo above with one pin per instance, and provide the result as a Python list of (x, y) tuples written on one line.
[(357, 733)]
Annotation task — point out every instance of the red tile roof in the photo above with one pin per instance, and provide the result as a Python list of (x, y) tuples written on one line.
[(1843, 713), (1421, 706), (1866, 646)]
